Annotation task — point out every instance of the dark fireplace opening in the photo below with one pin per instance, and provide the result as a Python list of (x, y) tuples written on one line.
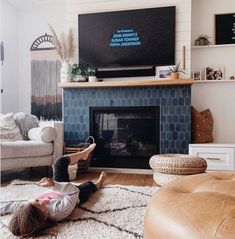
[(126, 137)]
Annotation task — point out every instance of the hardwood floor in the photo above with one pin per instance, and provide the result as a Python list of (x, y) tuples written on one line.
[(113, 178), (119, 178)]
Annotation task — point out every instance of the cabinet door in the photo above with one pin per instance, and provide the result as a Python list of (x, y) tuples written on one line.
[(217, 158)]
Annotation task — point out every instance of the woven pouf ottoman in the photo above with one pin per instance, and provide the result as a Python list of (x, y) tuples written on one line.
[(200, 206), (169, 167)]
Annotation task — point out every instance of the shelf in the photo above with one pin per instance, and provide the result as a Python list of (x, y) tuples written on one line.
[(213, 46), (134, 83), (213, 81)]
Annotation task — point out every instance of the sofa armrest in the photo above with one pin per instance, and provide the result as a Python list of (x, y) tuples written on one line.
[(59, 139)]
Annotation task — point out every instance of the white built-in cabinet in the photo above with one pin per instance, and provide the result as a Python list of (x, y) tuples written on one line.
[(218, 156)]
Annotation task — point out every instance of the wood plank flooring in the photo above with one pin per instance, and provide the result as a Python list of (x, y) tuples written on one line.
[(119, 178), (113, 178)]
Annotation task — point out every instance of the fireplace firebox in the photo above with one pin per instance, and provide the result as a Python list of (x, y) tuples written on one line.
[(126, 137)]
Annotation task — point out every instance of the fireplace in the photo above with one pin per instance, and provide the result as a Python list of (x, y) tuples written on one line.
[(173, 103), (126, 137)]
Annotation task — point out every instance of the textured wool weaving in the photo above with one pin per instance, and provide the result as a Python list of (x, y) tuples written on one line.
[(115, 211)]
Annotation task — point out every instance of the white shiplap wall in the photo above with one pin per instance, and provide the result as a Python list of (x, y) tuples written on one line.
[(183, 18)]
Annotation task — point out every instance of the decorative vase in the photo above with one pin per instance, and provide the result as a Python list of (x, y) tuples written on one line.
[(64, 77), (175, 75), (92, 79), (80, 78)]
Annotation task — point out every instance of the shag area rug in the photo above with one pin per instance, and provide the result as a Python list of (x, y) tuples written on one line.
[(113, 212)]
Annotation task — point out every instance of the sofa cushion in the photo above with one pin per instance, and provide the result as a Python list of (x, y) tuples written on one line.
[(46, 134), (31, 148), (9, 131), (25, 122)]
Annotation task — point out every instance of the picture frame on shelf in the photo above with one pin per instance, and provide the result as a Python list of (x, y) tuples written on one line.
[(197, 75), (163, 72), (214, 73)]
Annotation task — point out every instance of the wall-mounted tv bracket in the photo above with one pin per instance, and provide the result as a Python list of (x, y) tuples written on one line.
[(2, 52), (44, 38)]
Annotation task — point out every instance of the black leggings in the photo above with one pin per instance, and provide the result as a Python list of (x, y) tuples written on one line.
[(60, 174)]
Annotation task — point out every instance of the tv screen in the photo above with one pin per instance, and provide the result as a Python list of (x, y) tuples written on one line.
[(143, 37)]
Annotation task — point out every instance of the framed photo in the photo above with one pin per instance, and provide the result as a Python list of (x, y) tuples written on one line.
[(197, 75), (214, 73), (163, 72)]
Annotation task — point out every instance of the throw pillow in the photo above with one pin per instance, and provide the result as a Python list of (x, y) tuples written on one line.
[(202, 126), (9, 131), (46, 134), (25, 122)]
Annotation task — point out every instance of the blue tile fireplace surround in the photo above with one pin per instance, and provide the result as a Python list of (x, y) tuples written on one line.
[(174, 102)]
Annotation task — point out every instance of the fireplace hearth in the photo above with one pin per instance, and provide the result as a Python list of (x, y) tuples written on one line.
[(126, 137)]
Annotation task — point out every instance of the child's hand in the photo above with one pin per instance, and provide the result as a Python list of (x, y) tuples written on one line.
[(46, 182)]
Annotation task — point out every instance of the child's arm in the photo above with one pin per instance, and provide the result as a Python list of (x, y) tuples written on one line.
[(9, 207)]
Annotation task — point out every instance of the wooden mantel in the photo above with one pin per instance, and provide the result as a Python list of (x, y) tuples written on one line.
[(134, 83)]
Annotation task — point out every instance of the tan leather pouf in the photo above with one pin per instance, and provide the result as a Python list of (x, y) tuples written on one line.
[(199, 206), (168, 167)]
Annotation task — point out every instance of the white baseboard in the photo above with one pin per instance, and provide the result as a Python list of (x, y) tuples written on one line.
[(122, 170)]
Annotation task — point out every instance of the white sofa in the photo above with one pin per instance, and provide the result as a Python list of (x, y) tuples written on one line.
[(35, 151)]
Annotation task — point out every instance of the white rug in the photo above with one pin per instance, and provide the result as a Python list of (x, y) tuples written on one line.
[(114, 212)]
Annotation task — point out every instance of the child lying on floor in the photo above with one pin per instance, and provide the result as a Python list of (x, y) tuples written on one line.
[(55, 205)]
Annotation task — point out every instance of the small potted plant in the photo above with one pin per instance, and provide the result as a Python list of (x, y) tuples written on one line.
[(202, 40), (175, 71), (78, 72), (92, 75)]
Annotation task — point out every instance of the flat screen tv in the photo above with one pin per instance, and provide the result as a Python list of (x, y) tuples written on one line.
[(143, 37)]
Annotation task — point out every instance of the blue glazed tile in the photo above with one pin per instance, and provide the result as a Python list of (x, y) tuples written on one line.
[(172, 127), (151, 102), (175, 136), (172, 93), (172, 144), (163, 119), (166, 144), (157, 101), (140, 102), (168, 118), (178, 110), (163, 135), (165, 110), (175, 119), (77, 103), (172, 110), (169, 135), (181, 101), (178, 127), (175, 102), (163, 102)]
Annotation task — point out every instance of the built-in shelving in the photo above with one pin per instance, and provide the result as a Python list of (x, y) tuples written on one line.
[(213, 46), (134, 83), (213, 81)]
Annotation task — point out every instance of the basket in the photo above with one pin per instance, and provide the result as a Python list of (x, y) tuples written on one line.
[(83, 165)]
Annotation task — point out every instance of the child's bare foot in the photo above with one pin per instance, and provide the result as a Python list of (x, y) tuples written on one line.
[(82, 155), (100, 180)]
